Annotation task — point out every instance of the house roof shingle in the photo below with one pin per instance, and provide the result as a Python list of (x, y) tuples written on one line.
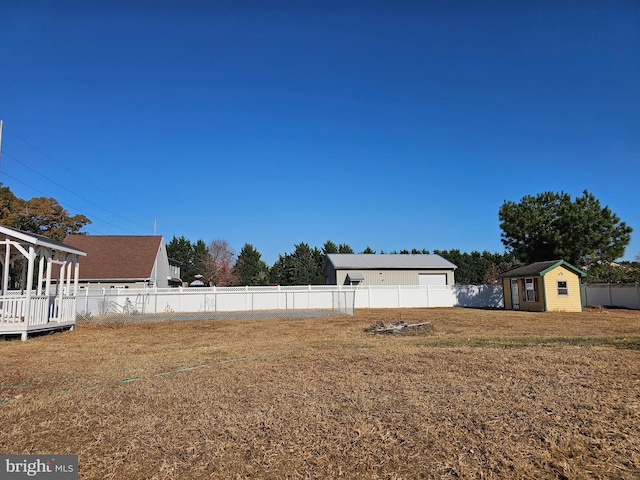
[(116, 256)]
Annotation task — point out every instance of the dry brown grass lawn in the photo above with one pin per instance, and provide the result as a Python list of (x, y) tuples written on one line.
[(489, 394)]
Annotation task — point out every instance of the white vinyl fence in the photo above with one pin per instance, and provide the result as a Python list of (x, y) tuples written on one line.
[(148, 301), (415, 296), (626, 296)]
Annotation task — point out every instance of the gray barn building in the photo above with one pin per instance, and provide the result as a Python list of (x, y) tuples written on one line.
[(392, 269)]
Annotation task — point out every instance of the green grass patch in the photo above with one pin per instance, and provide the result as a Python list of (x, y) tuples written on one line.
[(23, 384), (95, 385), (63, 390)]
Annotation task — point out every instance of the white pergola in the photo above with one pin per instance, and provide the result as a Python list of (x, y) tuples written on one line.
[(36, 308)]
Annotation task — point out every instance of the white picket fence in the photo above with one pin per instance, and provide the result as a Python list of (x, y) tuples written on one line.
[(625, 296)]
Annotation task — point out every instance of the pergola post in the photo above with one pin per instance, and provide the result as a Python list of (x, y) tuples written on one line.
[(31, 261), (60, 287), (23, 274), (47, 286), (68, 277), (76, 274), (5, 266), (40, 275)]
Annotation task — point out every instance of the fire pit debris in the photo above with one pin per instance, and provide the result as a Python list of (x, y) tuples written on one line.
[(401, 327)]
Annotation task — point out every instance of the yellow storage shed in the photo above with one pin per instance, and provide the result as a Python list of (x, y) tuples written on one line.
[(551, 286)]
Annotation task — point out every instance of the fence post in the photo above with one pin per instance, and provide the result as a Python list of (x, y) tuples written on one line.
[(585, 295), (610, 297)]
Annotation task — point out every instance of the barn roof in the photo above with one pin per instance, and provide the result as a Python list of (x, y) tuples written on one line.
[(116, 256), (342, 261), (538, 269)]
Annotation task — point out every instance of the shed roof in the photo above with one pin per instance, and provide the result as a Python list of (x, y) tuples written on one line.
[(117, 256), (342, 261), (538, 269)]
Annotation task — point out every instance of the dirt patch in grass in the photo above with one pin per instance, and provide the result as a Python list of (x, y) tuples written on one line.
[(488, 394)]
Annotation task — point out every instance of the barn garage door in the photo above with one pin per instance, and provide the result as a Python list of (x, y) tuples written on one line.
[(432, 278)]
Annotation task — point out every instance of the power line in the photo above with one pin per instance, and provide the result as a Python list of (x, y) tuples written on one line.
[(75, 173), (66, 204), (71, 191)]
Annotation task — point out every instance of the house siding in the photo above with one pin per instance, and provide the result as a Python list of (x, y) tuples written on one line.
[(562, 303), (389, 277), (160, 272), (506, 288), (537, 306)]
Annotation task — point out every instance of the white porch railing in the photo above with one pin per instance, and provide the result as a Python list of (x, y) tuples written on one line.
[(12, 309), (42, 310)]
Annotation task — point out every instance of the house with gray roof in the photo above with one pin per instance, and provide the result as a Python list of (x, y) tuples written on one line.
[(387, 269)]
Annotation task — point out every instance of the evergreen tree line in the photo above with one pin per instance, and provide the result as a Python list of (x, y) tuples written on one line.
[(303, 266), (547, 226)]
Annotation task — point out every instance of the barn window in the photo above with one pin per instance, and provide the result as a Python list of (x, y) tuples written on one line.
[(529, 290), (562, 287)]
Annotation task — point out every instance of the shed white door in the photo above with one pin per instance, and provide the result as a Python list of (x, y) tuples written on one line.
[(432, 278), (515, 294)]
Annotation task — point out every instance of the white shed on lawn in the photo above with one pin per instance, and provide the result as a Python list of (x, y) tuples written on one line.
[(389, 269), (37, 305)]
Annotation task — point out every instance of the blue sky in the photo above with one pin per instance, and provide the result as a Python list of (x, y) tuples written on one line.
[(385, 124)]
